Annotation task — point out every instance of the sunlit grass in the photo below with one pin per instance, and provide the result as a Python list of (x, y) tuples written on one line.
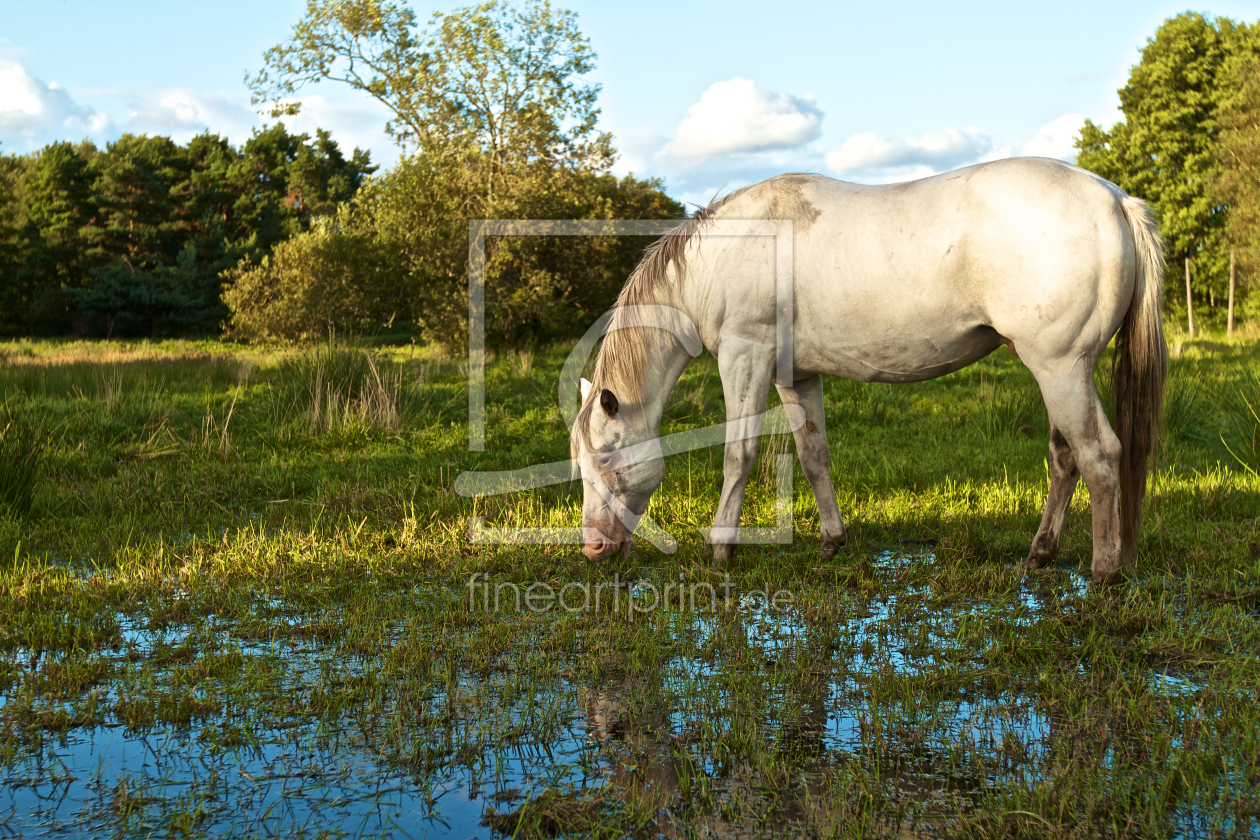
[(256, 560)]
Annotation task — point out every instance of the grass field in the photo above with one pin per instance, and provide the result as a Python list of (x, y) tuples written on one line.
[(235, 600)]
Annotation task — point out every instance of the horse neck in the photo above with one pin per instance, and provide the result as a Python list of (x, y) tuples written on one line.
[(666, 360)]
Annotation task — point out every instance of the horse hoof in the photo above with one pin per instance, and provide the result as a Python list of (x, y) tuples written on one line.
[(1038, 561), (722, 554), (1108, 578), (832, 542)]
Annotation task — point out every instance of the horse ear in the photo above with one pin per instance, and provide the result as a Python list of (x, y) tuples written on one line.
[(586, 388), (608, 400)]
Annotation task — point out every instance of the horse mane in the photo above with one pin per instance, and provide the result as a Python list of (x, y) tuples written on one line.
[(624, 351)]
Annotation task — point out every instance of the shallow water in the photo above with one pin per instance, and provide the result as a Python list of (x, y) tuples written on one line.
[(230, 778)]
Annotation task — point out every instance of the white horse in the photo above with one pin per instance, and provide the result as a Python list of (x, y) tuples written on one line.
[(896, 283)]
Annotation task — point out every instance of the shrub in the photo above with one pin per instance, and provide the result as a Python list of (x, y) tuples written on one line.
[(335, 278)]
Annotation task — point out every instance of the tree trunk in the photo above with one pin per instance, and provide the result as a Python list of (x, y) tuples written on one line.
[(1189, 302), (1229, 330)]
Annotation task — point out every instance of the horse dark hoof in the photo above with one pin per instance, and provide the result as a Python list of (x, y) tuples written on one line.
[(1108, 578), (1038, 560), (723, 554)]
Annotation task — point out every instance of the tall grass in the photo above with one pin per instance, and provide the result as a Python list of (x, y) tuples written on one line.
[(1188, 415), (21, 456), (1006, 408), (334, 388), (1241, 435)]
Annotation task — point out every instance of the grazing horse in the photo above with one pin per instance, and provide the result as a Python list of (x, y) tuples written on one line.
[(897, 283)]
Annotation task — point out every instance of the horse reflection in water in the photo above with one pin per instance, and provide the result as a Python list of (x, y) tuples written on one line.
[(652, 768)]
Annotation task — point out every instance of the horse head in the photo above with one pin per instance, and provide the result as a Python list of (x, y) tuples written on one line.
[(621, 466)]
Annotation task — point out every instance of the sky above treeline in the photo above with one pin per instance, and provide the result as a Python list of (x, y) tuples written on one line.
[(708, 96)]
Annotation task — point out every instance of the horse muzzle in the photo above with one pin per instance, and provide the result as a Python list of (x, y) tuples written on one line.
[(599, 547)]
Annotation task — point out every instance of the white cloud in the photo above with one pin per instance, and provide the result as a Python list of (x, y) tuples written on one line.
[(32, 113), (181, 114), (1052, 140), (868, 154), (739, 115), (869, 157)]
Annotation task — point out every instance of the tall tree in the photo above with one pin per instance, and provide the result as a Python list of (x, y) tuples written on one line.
[(282, 181), (137, 217), (1238, 185), (504, 80), (14, 173), (1164, 150), (55, 251), (492, 105)]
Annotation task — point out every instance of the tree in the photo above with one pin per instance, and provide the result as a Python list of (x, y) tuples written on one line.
[(491, 104), (59, 205), (1238, 183), (282, 183), (154, 301), (501, 81), (136, 215), (14, 173), (1164, 150)]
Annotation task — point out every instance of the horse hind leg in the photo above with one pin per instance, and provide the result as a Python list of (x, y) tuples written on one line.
[(1063, 478), (811, 446), (1077, 413)]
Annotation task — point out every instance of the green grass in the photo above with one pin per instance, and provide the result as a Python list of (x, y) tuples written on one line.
[(250, 569)]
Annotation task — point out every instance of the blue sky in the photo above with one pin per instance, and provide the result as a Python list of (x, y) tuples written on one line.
[(705, 95)]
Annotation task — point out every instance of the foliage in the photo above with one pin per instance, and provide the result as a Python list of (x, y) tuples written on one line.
[(14, 176), (491, 102), (399, 254), (502, 78), (1164, 149), (161, 300), (1238, 183), (337, 278), (132, 239)]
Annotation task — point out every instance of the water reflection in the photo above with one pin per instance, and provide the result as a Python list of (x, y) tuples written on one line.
[(767, 722)]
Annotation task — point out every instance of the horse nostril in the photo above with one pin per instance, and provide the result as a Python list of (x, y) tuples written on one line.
[(598, 548)]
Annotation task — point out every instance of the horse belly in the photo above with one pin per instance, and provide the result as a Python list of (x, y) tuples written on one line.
[(889, 355)]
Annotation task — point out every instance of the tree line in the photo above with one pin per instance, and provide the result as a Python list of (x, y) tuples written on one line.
[(134, 239), (287, 238)]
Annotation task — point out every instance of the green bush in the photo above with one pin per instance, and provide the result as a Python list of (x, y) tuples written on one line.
[(399, 254)]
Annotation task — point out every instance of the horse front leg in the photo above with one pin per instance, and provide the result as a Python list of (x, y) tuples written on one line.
[(745, 369), (811, 446)]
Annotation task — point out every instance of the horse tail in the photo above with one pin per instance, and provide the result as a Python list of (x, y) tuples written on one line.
[(1140, 368)]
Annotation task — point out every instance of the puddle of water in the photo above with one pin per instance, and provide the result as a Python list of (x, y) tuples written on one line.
[(292, 779), (618, 737)]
